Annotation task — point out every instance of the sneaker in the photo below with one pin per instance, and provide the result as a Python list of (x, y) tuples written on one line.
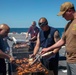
[(64, 71)]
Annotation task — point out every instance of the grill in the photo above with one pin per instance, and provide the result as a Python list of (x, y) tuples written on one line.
[(21, 47), (19, 50), (20, 53), (35, 73), (32, 71)]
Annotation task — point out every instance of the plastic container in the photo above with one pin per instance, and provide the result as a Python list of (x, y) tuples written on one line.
[(29, 37)]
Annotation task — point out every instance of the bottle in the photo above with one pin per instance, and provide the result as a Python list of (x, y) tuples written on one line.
[(29, 37)]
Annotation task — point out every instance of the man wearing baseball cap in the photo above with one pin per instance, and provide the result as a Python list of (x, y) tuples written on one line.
[(64, 7), (67, 11)]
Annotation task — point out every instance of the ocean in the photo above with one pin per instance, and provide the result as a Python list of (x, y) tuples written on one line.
[(19, 30)]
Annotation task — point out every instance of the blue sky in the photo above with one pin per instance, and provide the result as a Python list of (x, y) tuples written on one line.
[(20, 13)]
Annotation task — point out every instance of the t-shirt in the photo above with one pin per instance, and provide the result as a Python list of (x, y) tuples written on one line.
[(69, 37), (33, 31)]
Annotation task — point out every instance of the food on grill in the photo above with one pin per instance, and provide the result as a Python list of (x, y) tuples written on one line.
[(20, 45), (25, 67), (20, 61), (30, 60)]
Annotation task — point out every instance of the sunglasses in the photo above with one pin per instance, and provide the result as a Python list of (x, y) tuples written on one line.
[(43, 24)]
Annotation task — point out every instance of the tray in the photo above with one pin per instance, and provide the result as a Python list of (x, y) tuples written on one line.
[(36, 73), (20, 49), (20, 55)]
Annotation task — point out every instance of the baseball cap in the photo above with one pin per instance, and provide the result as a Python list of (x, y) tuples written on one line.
[(64, 7)]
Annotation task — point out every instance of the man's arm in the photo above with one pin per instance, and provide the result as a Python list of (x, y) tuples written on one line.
[(27, 34), (58, 44), (37, 45), (35, 35), (6, 56), (56, 39), (56, 36), (3, 55), (33, 38)]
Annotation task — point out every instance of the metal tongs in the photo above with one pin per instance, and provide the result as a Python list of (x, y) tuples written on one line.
[(37, 57)]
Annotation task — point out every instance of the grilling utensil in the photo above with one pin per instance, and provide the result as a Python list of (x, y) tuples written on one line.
[(39, 56)]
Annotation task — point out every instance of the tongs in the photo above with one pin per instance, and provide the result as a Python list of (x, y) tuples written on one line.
[(38, 57)]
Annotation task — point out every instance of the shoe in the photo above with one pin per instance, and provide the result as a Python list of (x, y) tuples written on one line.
[(65, 71)]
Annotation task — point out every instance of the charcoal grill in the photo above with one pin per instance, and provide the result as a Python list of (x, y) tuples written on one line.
[(20, 53), (34, 73)]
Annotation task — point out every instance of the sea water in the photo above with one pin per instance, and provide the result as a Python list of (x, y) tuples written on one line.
[(19, 30)]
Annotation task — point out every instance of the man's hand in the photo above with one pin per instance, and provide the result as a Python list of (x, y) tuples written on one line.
[(44, 50), (11, 59), (31, 56)]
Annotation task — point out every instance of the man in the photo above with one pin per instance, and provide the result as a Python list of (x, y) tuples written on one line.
[(4, 29), (67, 10), (47, 37), (33, 31)]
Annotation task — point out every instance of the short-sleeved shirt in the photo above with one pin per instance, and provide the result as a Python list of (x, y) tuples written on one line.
[(2, 47), (69, 37), (2, 61), (33, 31), (6, 45)]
